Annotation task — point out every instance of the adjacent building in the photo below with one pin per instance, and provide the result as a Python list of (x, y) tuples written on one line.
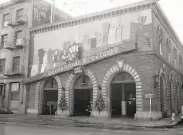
[(125, 61), (16, 17)]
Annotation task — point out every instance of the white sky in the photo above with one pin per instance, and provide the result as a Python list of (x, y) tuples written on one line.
[(172, 8)]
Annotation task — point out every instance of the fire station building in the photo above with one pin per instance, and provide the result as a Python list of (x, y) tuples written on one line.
[(123, 62)]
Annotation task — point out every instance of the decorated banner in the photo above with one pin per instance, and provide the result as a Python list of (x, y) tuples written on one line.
[(89, 42)]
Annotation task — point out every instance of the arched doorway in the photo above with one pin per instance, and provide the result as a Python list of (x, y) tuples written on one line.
[(162, 87), (83, 96), (171, 97), (177, 97), (123, 95), (50, 97)]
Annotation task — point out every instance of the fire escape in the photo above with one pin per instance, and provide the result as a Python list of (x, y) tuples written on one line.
[(13, 44)]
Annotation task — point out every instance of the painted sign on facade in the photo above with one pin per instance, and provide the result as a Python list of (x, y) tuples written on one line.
[(90, 59), (62, 46), (41, 12)]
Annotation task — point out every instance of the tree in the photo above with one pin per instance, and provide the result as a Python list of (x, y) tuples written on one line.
[(99, 104), (63, 103)]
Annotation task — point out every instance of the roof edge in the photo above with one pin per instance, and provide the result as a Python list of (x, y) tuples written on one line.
[(170, 27), (138, 6)]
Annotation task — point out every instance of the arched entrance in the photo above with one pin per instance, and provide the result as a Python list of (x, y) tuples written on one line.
[(123, 95), (162, 87), (177, 97), (83, 96), (50, 97), (171, 96)]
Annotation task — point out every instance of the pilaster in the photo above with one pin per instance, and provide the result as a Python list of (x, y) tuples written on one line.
[(7, 96)]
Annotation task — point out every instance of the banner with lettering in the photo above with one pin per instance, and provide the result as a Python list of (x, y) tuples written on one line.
[(62, 46)]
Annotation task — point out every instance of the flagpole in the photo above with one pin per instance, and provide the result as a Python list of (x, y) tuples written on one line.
[(52, 17)]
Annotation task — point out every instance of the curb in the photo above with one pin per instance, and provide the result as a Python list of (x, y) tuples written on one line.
[(94, 125)]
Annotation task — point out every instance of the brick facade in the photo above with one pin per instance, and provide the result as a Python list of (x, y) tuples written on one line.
[(151, 70)]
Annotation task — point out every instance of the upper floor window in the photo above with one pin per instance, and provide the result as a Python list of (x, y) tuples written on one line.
[(16, 64), (175, 57), (180, 62), (2, 66), (160, 40), (6, 19), (20, 13), (169, 50), (15, 87), (4, 40), (18, 34)]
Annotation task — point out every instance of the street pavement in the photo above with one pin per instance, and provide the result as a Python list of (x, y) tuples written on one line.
[(8, 129)]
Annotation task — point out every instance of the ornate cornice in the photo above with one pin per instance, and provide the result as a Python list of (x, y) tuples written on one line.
[(11, 3), (147, 4)]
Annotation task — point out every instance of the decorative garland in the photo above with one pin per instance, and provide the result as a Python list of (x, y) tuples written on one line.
[(99, 103), (63, 103)]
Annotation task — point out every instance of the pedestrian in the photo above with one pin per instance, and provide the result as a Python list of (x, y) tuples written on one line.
[(173, 116)]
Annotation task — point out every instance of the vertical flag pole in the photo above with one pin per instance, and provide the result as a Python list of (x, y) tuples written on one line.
[(52, 11)]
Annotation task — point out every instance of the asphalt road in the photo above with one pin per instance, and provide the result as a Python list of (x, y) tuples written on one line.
[(35, 130)]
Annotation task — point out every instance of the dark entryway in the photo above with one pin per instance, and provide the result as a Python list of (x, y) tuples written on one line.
[(123, 96), (83, 96), (50, 97)]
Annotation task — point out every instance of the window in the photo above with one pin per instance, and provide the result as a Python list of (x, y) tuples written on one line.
[(160, 40), (15, 87), (4, 39), (2, 92), (6, 19), (2, 66), (2, 89), (180, 63), (169, 50), (16, 64), (18, 34), (20, 13), (175, 57)]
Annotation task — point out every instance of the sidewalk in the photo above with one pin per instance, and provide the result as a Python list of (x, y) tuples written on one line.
[(114, 123)]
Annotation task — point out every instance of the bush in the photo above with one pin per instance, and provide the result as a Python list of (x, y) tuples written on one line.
[(99, 104), (63, 103)]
